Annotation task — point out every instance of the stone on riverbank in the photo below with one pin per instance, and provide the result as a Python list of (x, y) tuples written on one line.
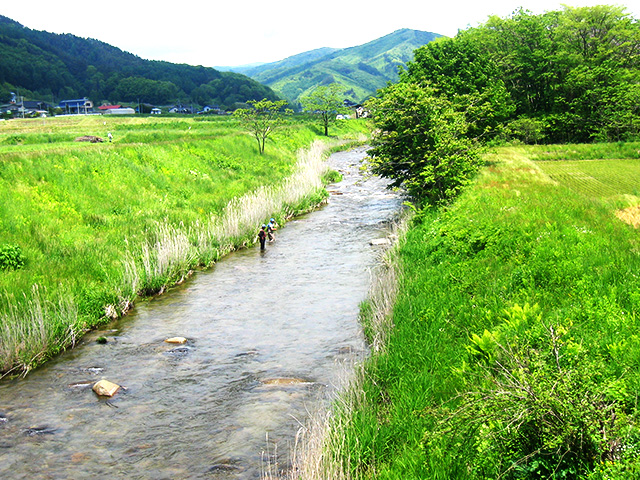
[(89, 138), (106, 388)]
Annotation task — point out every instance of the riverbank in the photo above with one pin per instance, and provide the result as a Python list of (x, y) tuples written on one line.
[(97, 227), (267, 333), (512, 348)]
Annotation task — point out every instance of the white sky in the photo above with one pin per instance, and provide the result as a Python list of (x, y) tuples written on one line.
[(232, 32)]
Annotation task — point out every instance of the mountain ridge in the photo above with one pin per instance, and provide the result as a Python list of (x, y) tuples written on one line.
[(46, 65), (43, 65), (362, 69)]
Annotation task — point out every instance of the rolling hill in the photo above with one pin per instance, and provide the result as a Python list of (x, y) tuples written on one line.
[(362, 69), (50, 67)]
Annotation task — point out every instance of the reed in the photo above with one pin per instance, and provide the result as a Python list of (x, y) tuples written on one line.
[(244, 214), (32, 328), (377, 311)]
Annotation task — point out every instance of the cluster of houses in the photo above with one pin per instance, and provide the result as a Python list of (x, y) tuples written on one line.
[(26, 108), (18, 107)]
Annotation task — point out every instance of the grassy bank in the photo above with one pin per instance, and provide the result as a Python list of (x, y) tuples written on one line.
[(514, 349), (87, 229)]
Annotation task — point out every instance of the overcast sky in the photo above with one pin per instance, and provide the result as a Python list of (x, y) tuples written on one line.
[(231, 32)]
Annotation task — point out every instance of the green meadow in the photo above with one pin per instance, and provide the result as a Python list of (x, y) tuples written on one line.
[(86, 229), (512, 348)]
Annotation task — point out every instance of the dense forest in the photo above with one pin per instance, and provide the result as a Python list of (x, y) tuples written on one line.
[(564, 76), (52, 67)]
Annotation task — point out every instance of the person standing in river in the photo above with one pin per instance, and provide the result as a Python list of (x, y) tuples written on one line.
[(271, 229), (262, 236)]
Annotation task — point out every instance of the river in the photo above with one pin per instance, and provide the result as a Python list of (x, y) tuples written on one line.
[(268, 336)]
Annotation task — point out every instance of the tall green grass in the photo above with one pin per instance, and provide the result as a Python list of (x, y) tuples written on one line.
[(101, 224), (514, 350)]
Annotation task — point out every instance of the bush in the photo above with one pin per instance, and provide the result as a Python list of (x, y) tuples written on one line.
[(527, 130), (11, 257), (421, 143), (331, 177), (538, 403)]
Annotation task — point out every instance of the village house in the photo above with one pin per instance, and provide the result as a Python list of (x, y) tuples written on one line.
[(212, 109), (80, 106), (26, 108), (104, 108), (180, 109), (119, 111)]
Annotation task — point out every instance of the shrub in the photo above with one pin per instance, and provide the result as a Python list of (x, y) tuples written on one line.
[(538, 403), (11, 257), (331, 176)]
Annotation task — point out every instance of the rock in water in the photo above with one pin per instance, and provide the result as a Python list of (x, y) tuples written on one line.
[(106, 388), (36, 431), (176, 340), (285, 381), (380, 241)]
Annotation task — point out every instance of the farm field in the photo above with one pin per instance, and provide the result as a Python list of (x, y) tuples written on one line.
[(596, 178), (86, 228)]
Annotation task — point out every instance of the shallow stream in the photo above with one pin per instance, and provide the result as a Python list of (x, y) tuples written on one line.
[(268, 336)]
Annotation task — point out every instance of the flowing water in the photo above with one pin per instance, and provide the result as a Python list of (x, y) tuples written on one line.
[(268, 335)]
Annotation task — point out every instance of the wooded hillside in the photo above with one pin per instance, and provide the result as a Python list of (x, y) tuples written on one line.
[(361, 69), (51, 67)]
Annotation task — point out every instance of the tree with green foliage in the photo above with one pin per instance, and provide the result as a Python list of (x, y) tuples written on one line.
[(262, 118), (326, 101), (461, 70), (421, 143), (563, 76)]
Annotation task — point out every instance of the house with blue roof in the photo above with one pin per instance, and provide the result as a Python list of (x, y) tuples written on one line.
[(80, 106)]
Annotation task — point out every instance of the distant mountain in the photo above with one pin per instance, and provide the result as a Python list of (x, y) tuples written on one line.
[(289, 62), (362, 69), (50, 67), (239, 68)]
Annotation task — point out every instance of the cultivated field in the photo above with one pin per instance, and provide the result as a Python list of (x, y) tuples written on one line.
[(596, 178)]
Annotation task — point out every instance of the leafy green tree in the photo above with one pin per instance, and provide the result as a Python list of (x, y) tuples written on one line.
[(133, 88), (421, 142), (461, 70), (262, 118), (574, 73), (326, 102)]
